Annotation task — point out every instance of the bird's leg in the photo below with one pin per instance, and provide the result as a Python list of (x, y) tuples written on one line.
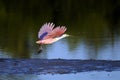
[(40, 48)]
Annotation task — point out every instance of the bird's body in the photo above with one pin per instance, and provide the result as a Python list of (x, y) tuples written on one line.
[(48, 34), (51, 40)]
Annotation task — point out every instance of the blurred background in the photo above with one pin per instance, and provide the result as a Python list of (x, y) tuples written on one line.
[(93, 26)]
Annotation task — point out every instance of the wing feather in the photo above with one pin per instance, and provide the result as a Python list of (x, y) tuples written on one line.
[(56, 32), (46, 28)]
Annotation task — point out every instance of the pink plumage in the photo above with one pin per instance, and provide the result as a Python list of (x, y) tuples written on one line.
[(48, 33), (48, 27)]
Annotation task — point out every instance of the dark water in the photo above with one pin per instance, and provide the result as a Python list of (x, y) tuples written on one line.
[(93, 26)]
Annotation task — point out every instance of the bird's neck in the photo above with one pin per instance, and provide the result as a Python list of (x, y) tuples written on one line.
[(63, 36)]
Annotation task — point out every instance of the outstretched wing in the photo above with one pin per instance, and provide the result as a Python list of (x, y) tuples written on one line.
[(45, 29), (58, 31)]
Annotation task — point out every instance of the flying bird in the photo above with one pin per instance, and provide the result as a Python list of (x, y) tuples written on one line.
[(49, 34)]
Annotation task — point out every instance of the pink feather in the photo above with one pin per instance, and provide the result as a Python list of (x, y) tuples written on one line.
[(47, 27), (52, 32), (48, 34), (56, 32)]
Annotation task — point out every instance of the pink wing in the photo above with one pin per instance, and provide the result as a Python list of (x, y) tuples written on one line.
[(58, 31), (48, 27)]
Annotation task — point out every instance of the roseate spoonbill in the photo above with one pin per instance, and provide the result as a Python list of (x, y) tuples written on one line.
[(49, 34)]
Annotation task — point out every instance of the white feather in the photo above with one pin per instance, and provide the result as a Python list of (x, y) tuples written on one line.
[(63, 36)]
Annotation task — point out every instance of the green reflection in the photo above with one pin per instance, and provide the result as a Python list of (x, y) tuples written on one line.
[(90, 21)]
